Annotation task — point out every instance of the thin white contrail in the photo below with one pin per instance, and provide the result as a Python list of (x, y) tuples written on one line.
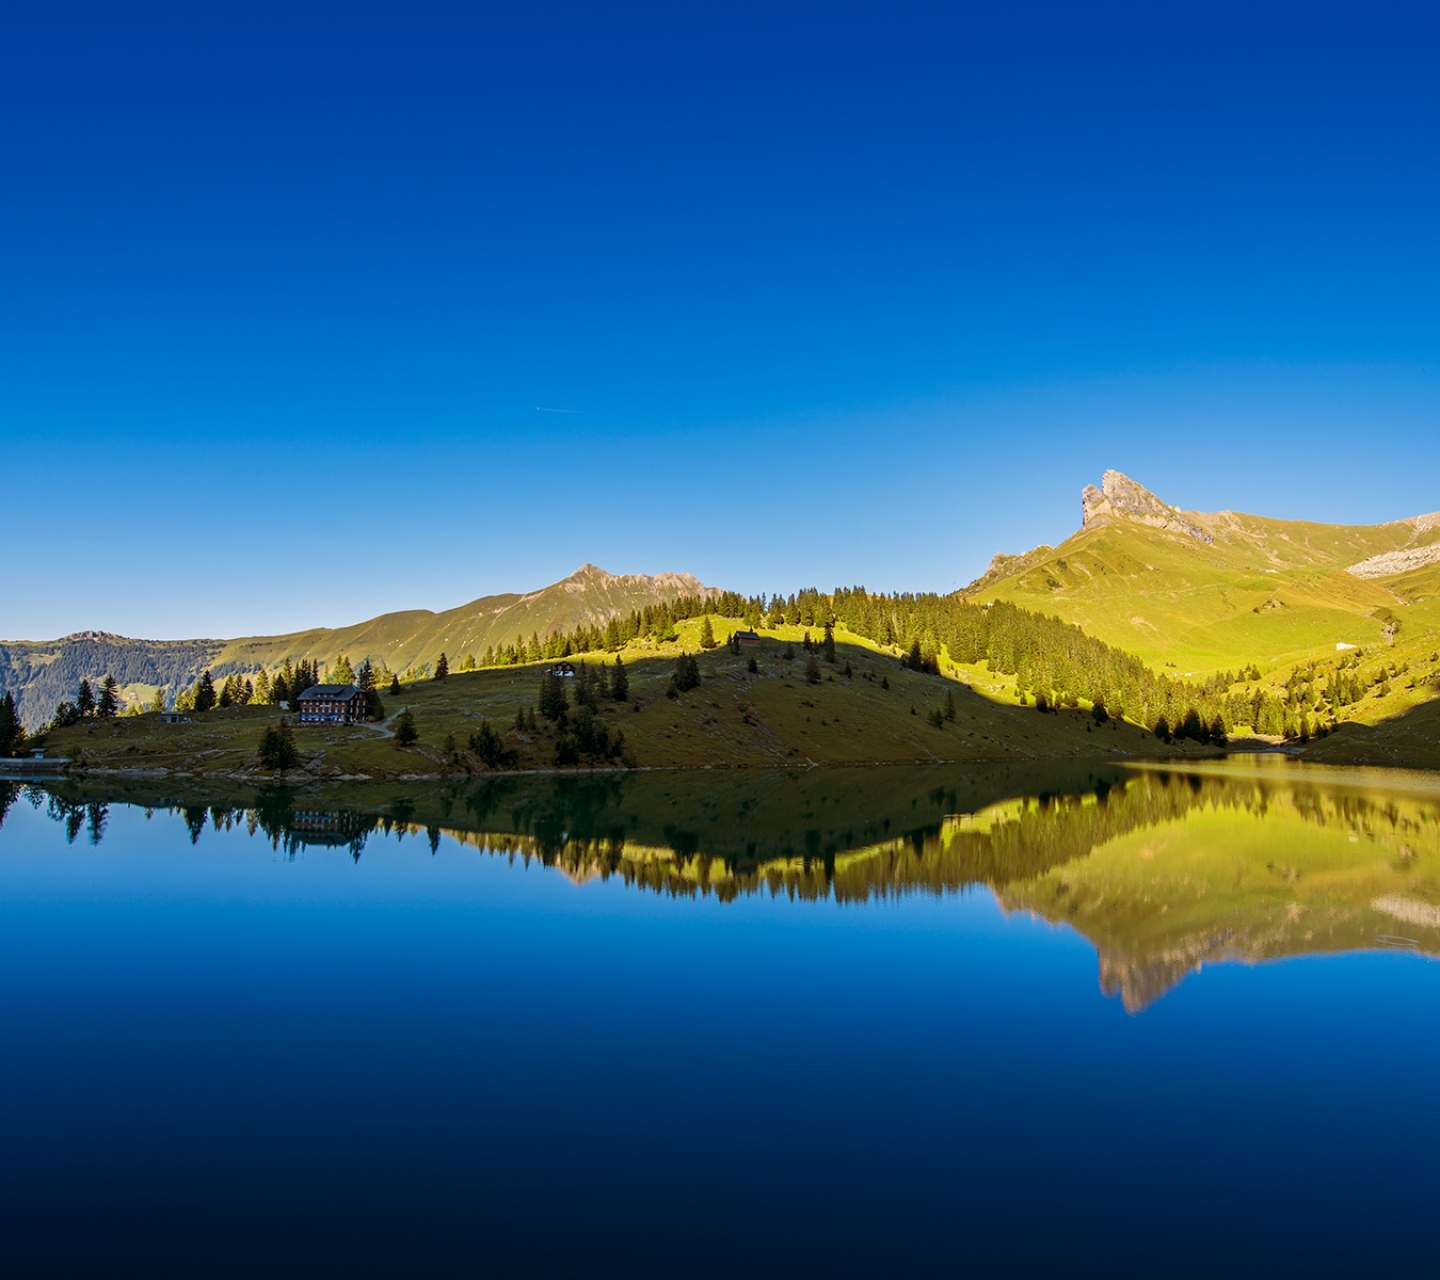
[(542, 409)]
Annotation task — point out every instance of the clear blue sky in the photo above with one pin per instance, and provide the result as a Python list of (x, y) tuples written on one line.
[(832, 294)]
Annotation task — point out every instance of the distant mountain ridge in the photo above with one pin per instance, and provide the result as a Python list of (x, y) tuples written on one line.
[(41, 673), (1206, 590)]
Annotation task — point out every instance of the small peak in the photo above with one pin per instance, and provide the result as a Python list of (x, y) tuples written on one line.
[(588, 572), (1119, 496)]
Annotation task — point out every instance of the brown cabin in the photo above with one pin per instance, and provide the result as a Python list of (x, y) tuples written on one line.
[(747, 637)]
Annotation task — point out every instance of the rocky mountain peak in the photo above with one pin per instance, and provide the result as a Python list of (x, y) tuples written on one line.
[(1120, 497)]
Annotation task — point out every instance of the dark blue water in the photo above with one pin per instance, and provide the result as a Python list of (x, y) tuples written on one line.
[(216, 1058)]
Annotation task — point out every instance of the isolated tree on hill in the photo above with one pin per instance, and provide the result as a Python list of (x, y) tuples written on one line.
[(812, 670), (395, 685), (1099, 711), (442, 667), (205, 692), (552, 701), (109, 703), (827, 645), (950, 705), (687, 673), (707, 633), (406, 734), (277, 747), (620, 682), (85, 699)]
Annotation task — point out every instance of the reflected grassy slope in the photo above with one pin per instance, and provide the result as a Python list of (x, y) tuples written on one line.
[(1163, 867)]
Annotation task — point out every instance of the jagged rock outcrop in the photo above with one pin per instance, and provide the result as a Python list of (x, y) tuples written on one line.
[(1120, 497), (1003, 566)]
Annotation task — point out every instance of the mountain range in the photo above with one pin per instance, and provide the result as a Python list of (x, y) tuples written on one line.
[(1194, 591), (41, 673)]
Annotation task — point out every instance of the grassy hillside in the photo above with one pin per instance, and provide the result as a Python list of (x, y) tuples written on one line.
[(735, 718), (1271, 592)]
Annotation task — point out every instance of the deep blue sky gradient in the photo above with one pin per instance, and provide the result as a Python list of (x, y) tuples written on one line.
[(833, 294)]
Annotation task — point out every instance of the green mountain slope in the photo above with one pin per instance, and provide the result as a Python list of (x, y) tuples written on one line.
[(41, 673), (402, 640), (1202, 592)]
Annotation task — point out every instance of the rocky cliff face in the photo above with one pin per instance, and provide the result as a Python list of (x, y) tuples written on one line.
[(1120, 497)]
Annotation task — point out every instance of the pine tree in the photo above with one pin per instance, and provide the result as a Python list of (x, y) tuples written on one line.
[(109, 703), (442, 667), (157, 703), (812, 670), (342, 672), (205, 692), (620, 682), (827, 645), (950, 705), (85, 699), (277, 747), (12, 733), (395, 685), (406, 734), (707, 633), (552, 701), (687, 673)]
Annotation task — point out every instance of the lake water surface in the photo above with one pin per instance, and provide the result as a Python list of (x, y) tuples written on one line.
[(1101, 1020)]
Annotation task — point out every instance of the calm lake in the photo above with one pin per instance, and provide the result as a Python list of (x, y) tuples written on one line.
[(1087, 1019)]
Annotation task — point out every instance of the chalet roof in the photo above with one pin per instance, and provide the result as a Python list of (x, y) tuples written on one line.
[(747, 635), (328, 691)]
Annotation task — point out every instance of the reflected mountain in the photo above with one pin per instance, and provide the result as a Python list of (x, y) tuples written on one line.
[(1163, 870)]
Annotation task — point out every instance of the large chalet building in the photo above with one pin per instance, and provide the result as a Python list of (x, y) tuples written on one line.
[(331, 704)]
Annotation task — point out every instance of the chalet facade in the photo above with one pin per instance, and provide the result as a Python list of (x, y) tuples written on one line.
[(747, 638), (331, 704)]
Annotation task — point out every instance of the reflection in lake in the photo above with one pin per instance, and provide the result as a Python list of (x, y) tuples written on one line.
[(1162, 870)]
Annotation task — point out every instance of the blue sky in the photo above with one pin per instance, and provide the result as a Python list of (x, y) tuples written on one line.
[(831, 294)]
